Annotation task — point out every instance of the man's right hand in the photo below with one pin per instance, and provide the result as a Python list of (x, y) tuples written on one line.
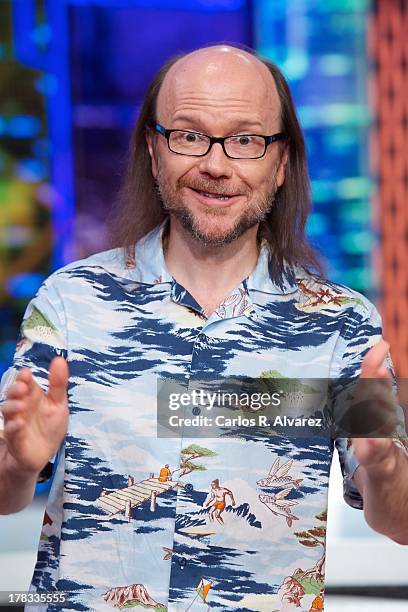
[(35, 422)]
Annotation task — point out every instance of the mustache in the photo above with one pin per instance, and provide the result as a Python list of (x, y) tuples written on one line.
[(216, 187)]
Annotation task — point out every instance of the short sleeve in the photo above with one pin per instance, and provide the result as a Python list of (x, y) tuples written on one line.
[(349, 464), (42, 337), (362, 331)]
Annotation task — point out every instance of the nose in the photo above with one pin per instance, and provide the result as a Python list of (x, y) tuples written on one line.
[(216, 163)]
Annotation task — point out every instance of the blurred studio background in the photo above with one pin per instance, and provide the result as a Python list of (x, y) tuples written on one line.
[(72, 75)]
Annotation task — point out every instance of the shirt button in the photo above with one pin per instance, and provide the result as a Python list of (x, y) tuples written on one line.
[(196, 410), (182, 562)]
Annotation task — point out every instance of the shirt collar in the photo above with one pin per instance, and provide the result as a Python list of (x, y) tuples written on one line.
[(150, 267), (263, 279)]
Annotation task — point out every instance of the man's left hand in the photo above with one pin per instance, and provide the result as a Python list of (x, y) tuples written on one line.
[(381, 476), (376, 453)]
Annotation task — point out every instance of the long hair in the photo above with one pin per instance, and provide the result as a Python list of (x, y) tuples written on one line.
[(139, 209)]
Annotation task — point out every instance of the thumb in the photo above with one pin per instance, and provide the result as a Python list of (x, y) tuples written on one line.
[(58, 380), (373, 362)]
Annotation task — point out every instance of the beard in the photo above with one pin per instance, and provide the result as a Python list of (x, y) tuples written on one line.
[(210, 231)]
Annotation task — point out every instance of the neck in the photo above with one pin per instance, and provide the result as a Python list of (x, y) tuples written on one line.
[(209, 273)]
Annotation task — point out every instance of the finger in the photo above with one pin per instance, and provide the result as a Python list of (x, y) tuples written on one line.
[(26, 376), (18, 390), (372, 451), (11, 408), (13, 427), (375, 411), (383, 372), (373, 388), (58, 380), (374, 359)]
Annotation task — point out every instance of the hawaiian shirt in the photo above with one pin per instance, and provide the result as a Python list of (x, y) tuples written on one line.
[(178, 523)]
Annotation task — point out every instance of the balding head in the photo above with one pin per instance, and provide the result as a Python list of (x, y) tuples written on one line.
[(213, 81), (220, 91)]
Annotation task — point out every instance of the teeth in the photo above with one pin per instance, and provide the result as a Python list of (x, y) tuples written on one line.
[(215, 195)]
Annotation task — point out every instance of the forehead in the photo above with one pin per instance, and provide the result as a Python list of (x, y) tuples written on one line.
[(218, 88)]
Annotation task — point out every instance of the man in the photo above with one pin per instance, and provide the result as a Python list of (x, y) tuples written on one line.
[(220, 286), (165, 473), (218, 500)]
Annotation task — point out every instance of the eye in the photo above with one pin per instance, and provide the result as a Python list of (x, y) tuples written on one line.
[(190, 137), (242, 140)]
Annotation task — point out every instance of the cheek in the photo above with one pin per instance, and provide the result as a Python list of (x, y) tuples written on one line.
[(271, 177), (259, 176), (258, 182), (172, 169)]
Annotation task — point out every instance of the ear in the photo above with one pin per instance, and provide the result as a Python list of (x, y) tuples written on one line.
[(280, 174), (152, 150)]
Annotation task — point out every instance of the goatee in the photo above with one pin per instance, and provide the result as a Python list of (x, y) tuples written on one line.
[(250, 217)]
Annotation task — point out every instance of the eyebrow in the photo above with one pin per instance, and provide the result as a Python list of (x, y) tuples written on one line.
[(240, 123)]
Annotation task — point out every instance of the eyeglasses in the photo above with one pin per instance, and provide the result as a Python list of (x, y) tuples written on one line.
[(196, 144)]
